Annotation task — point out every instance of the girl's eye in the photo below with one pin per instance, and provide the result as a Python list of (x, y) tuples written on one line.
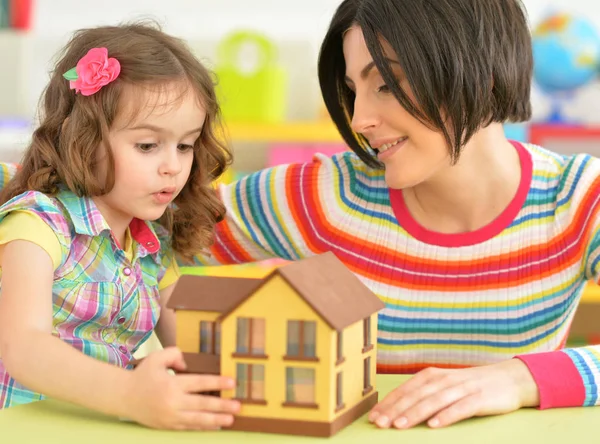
[(383, 89), (184, 147), (145, 146)]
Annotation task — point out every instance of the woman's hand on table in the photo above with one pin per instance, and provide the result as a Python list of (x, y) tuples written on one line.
[(443, 397)]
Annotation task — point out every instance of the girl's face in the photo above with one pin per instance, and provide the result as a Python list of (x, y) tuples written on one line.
[(153, 154), (412, 152)]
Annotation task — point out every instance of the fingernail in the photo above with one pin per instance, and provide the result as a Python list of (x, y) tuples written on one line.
[(434, 422), (383, 421), (373, 416), (400, 423)]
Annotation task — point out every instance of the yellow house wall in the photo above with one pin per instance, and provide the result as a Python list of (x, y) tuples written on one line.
[(352, 367), (277, 303), (188, 328)]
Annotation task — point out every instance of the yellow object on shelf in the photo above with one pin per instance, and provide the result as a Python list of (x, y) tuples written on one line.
[(288, 132), (227, 177), (254, 271), (591, 294)]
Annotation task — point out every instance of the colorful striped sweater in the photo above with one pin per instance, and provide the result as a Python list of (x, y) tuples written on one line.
[(509, 289)]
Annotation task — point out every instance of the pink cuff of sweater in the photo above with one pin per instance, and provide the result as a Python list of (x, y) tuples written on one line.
[(557, 378)]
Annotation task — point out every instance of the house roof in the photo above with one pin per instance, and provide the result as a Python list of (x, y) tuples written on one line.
[(210, 293), (331, 289)]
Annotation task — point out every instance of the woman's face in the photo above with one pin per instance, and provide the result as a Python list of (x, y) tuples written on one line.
[(411, 152)]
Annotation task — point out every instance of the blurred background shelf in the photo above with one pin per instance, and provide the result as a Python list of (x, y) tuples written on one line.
[(321, 132)]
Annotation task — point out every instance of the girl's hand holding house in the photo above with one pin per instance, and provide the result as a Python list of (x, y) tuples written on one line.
[(161, 400), (444, 397)]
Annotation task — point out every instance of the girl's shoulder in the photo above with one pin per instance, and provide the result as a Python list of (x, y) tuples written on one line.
[(48, 208)]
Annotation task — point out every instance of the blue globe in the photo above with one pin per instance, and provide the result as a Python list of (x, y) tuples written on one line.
[(566, 51)]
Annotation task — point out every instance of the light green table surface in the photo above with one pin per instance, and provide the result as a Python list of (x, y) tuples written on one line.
[(51, 422)]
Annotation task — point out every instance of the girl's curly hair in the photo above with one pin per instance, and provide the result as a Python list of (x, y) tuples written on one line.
[(72, 127)]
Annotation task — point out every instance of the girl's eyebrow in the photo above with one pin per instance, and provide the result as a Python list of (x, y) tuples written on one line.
[(158, 129)]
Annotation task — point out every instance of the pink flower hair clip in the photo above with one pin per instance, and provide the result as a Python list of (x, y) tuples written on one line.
[(93, 71)]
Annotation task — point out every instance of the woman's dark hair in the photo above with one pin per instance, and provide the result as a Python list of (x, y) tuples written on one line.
[(468, 62)]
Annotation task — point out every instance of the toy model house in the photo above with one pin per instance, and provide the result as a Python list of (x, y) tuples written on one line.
[(300, 343)]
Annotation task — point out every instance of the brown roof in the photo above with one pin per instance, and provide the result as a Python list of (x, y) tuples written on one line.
[(210, 293), (330, 288)]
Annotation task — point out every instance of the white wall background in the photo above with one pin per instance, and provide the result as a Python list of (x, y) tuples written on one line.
[(297, 26)]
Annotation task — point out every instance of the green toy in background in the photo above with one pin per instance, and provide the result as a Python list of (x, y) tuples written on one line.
[(257, 94)]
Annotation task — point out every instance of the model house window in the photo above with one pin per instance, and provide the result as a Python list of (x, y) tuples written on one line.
[(367, 345), (210, 337), (250, 382), (367, 376), (300, 387), (217, 338), (340, 347), (302, 339), (250, 336), (339, 389)]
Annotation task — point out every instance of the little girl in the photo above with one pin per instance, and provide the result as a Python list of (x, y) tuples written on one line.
[(115, 184)]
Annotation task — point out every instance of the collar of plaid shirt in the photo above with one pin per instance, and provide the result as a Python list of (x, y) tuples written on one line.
[(88, 220)]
